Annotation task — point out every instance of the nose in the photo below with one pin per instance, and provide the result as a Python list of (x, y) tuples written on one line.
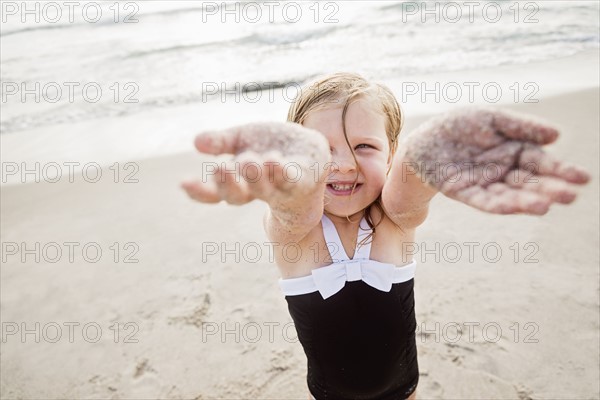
[(343, 162)]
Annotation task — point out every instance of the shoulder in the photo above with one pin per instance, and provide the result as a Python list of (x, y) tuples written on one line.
[(297, 254)]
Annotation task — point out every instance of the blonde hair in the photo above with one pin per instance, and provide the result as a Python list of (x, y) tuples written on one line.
[(340, 90)]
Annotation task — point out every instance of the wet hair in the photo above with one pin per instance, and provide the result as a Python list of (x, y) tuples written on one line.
[(340, 90)]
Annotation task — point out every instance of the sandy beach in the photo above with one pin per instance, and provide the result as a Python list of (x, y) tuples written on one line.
[(136, 292)]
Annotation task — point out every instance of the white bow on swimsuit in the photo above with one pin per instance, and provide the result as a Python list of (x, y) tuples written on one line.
[(332, 278)]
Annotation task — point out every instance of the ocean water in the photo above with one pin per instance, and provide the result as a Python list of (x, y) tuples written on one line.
[(108, 59)]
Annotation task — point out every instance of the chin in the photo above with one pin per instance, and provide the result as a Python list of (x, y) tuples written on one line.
[(344, 211), (339, 209)]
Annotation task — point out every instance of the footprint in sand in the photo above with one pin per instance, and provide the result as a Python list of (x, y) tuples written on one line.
[(523, 392), (145, 383), (198, 314)]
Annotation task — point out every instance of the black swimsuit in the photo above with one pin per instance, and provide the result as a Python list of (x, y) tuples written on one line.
[(356, 322)]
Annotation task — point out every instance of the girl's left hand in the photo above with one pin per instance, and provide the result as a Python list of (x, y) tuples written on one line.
[(492, 160)]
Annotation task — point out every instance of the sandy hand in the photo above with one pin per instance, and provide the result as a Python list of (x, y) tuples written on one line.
[(492, 160), (272, 162)]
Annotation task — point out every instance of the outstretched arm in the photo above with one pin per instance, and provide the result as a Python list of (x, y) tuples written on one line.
[(405, 196), (272, 162), (491, 160)]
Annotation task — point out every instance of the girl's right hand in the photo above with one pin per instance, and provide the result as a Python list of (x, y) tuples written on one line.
[(273, 161)]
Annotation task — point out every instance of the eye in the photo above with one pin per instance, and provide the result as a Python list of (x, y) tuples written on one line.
[(364, 146)]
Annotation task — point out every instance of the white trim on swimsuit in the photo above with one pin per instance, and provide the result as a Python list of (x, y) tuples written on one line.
[(330, 279)]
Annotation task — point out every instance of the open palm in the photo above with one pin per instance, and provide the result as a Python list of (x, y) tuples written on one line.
[(272, 162), (492, 160)]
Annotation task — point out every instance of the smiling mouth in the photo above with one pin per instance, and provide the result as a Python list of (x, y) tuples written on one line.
[(343, 189)]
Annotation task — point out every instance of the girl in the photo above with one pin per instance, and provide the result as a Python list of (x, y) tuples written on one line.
[(357, 202)]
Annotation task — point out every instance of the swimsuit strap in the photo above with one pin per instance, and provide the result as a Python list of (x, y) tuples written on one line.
[(363, 251), (334, 243)]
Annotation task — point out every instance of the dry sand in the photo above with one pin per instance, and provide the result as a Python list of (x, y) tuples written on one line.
[(211, 328)]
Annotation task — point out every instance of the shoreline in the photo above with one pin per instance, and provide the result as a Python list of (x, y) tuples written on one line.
[(170, 131)]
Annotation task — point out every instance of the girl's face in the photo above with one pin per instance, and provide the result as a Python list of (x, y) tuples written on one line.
[(365, 129)]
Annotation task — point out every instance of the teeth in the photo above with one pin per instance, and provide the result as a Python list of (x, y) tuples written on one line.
[(341, 187)]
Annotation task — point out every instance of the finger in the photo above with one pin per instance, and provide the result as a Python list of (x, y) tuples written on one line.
[(498, 198), (556, 189), (521, 127), (454, 177), (277, 174), (255, 174), (503, 197), (203, 192), (501, 155), (217, 142), (534, 159), (250, 167), (276, 170), (231, 187), (258, 136)]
